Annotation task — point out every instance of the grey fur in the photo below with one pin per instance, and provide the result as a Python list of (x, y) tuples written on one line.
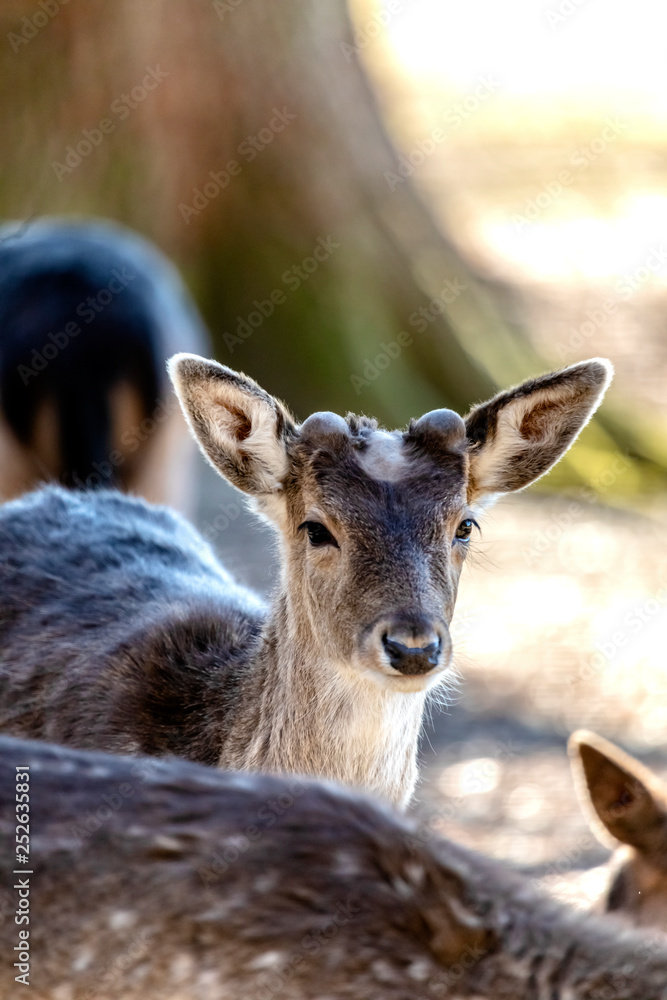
[(119, 631), (155, 880)]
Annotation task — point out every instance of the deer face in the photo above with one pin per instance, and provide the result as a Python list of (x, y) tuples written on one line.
[(377, 529), (375, 525)]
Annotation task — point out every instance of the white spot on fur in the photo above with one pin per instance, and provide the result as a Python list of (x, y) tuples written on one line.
[(121, 918), (83, 960), (265, 883), (165, 843), (136, 831), (419, 970), (216, 913), (209, 981), (268, 960), (99, 771), (414, 873), (402, 888), (345, 863), (64, 991), (384, 457), (182, 967)]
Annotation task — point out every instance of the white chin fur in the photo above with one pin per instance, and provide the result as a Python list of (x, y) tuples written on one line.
[(389, 679)]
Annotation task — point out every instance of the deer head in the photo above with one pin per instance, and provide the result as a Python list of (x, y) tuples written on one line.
[(375, 525)]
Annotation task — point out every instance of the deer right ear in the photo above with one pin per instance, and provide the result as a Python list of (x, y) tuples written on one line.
[(242, 430), (627, 798), (518, 435)]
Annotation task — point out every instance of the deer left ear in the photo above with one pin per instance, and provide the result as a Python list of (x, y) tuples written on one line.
[(520, 434)]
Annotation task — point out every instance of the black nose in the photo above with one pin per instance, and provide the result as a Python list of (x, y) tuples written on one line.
[(411, 660)]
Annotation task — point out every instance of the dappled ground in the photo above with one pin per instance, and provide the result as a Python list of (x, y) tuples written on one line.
[(558, 626)]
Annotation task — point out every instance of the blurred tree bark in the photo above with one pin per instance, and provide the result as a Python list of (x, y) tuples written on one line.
[(244, 137)]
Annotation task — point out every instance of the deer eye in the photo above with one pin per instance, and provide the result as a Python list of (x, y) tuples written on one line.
[(318, 535), (464, 529)]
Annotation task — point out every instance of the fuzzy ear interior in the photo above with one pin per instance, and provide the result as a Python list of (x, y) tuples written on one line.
[(520, 434), (241, 429), (626, 797)]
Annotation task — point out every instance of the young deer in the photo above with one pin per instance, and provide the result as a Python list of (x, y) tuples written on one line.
[(119, 631), (629, 805), (89, 314), (165, 880)]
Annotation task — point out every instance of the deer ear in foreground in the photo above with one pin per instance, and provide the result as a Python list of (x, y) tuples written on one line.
[(168, 656), (627, 805), (163, 879)]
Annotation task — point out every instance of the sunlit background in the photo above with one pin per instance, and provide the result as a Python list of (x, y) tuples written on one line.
[(519, 147), (551, 176)]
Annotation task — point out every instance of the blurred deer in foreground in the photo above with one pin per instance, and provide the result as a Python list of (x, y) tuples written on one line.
[(626, 804), (89, 314), (163, 879), (119, 630)]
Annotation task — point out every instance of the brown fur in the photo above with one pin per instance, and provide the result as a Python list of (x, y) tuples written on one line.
[(157, 880), (121, 632)]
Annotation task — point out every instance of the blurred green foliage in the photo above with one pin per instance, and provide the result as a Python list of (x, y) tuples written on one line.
[(266, 87)]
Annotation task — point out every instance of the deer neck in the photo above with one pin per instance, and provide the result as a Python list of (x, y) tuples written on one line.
[(302, 710)]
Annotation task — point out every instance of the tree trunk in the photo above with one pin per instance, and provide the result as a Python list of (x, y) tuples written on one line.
[(244, 137)]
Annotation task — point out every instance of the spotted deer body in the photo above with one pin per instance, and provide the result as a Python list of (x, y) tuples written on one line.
[(164, 879), (119, 630)]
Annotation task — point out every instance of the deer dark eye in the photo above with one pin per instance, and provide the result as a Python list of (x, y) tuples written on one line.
[(317, 534), (464, 529)]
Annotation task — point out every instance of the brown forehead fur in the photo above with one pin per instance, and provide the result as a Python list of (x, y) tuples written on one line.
[(327, 467)]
